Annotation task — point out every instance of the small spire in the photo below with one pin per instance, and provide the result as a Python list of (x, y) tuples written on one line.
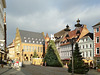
[(47, 35), (78, 21), (67, 28)]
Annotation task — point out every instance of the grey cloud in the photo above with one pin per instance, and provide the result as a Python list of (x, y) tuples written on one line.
[(49, 16)]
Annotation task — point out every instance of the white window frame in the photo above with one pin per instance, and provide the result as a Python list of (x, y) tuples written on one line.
[(96, 29), (96, 39), (24, 37), (25, 40), (96, 51), (33, 41)]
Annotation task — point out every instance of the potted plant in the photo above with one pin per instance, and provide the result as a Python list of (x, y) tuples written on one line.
[(98, 67)]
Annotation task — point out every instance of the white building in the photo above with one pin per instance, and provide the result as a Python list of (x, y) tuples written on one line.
[(87, 47), (62, 41), (52, 37), (2, 6)]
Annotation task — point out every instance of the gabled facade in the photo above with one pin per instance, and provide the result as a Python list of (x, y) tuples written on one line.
[(66, 47), (47, 39), (62, 43), (86, 46), (26, 42), (11, 51), (96, 29)]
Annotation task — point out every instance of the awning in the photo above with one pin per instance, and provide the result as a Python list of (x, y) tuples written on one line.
[(65, 59), (87, 61)]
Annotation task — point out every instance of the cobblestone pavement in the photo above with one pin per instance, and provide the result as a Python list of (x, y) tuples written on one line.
[(40, 70), (10, 71)]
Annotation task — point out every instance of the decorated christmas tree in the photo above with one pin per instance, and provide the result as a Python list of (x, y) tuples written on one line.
[(35, 54), (79, 66), (52, 57)]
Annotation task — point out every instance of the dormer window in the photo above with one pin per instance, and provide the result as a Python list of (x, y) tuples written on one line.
[(37, 42), (28, 38), (24, 37), (32, 38), (33, 41), (29, 41), (40, 42), (25, 40)]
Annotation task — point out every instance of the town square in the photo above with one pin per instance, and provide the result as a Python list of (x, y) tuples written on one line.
[(49, 37)]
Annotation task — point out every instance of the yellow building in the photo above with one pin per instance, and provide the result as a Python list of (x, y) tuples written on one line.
[(11, 51), (26, 42)]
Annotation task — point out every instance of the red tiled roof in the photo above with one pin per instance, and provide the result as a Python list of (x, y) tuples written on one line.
[(72, 34)]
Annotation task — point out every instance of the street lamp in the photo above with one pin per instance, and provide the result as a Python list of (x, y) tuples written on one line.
[(22, 56), (72, 41)]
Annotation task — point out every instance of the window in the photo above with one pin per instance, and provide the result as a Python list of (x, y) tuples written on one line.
[(28, 37), (30, 48), (83, 46), (86, 54), (97, 39), (41, 49), (29, 41), (33, 48), (33, 41), (86, 39), (97, 29), (86, 46), (83, 54), (90, 54), (32, 38), (40, 42), (27, 48), (24, 37), (97, 51), (24, 47), (90, 45), (25, 40), (38, 49), (37, 42), (83, 40)]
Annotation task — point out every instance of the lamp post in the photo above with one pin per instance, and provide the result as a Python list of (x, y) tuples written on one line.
[(22, 57), (72, 41)]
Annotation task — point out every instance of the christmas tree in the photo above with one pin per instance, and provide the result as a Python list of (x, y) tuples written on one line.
[(52, 57), (35, 54), (79, 66)]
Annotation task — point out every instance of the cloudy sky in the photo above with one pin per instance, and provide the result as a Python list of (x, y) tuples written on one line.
[(50, 16)]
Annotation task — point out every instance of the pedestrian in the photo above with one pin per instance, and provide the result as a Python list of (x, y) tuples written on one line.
[(45, 63), (17, 64), (9, 63), (2, 64)]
